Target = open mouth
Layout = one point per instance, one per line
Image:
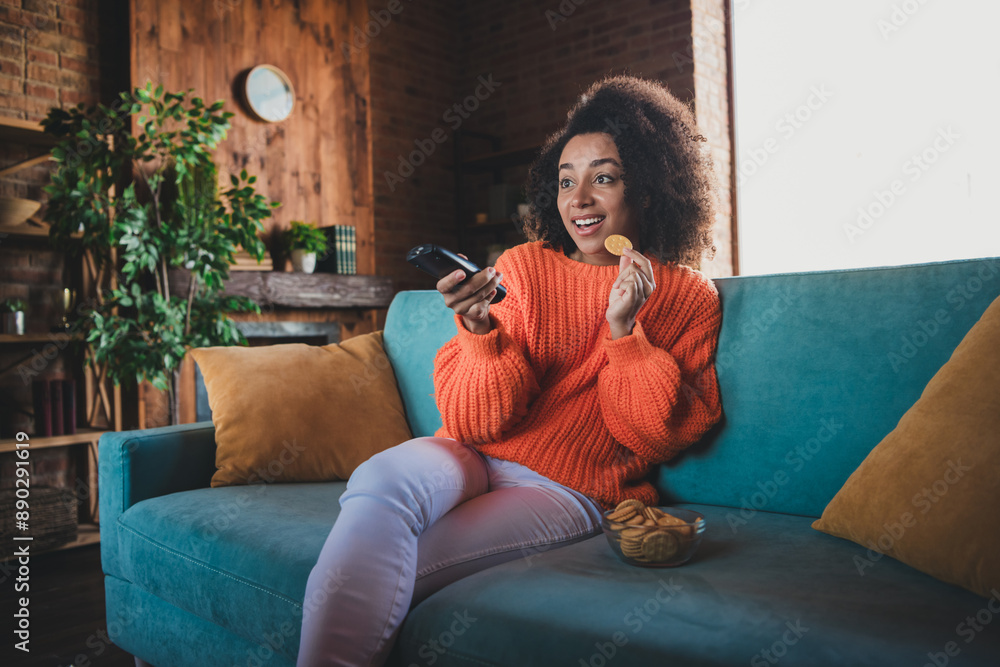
(584, 223)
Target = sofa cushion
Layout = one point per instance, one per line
(815, 369)
(927, 494)
(300, 413)
(164, 635)
(772, 590)
(238, 556)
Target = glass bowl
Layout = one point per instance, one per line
(665, 543)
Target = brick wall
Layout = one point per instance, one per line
(713, 109)
(423, 60)
(49, 56)
(415, 61)
(543, 54)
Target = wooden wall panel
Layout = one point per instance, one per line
(317, 163)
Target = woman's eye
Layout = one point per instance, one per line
(609, 179)
(563, 182)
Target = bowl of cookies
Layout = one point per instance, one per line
(653, 536)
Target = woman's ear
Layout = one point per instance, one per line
(647, 201)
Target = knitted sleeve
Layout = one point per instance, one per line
(484, 384)
(656, 402)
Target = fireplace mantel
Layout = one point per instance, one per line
(300, 290)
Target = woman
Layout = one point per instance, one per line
(557, 401)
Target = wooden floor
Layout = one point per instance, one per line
(66, 610)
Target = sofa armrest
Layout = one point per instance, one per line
(136, 465)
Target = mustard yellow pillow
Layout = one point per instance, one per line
(928, 494)
(300, 413)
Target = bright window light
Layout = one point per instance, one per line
(867, 132)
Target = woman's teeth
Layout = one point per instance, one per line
(587, 222)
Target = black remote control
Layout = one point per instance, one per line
(439, 262)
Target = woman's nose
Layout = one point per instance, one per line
(583, 196)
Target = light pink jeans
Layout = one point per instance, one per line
(415, 518)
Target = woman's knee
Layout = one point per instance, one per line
(420, 466)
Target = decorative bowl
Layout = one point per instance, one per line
(14, 211)
(658, 541)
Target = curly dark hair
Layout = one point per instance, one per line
(655, 134)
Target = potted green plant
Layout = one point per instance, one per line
(135, 184)
(12, 311)
(304, 242)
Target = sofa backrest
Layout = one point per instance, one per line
(417, 324)
(815, 369)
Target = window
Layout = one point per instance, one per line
(867, 132)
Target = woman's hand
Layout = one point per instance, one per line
(630, 290)
(471, 300)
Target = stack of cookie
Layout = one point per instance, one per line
(648, 534)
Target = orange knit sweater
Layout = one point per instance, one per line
(549, 389)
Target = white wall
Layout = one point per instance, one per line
(887, 106)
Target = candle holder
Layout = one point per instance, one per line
(68, 304)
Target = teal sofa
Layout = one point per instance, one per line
(815, 369)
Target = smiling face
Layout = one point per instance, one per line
(592, 197)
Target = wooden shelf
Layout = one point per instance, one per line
(84, 436)
(15, 130)
(36, 338)
(25, 229)
(300, 290)
(486, 162)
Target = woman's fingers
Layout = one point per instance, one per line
(642, 267)
(464, 297)
(632, 272)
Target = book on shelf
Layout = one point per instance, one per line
(341, 251)
(40, 391)
(56, 396)
(69, 406)
(54, 402)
